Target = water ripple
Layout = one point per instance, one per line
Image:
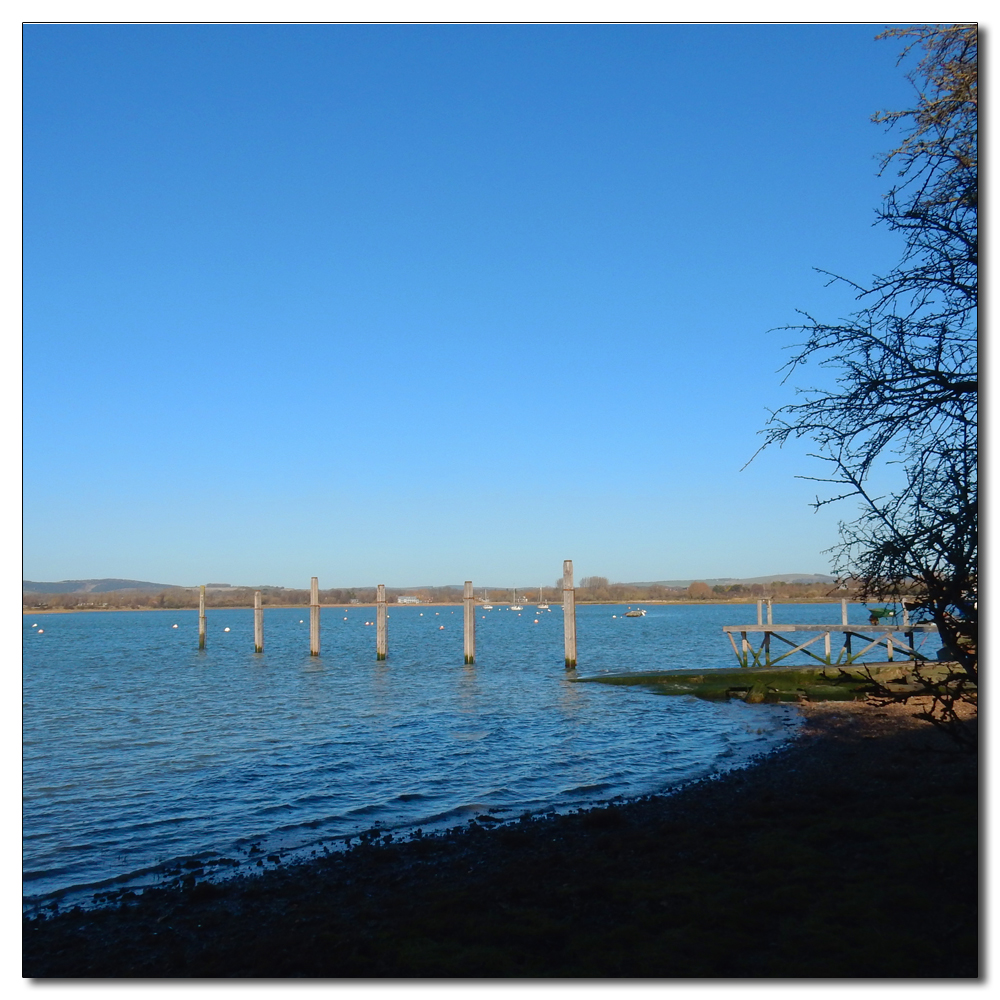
(139, 750)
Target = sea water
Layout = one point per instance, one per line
(144, 756)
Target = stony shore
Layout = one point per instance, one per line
(852, 853)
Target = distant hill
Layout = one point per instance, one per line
(144, 586)
(91, 586)
(728, 581)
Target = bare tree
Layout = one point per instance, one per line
(904, 403)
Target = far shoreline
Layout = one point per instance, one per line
(430, 604)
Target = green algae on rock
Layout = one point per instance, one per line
(775, 684)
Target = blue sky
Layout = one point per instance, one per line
(415, 304)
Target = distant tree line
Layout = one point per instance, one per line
(598, 590)
(592, 590)
(230, 597)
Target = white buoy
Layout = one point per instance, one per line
(41, 630)
(173, 626)
(440, 626)
(225, 630)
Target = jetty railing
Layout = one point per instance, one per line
(886, 635)
(749, 655)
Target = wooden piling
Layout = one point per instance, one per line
(770, 613)
(843, 611)
(202, 624)
(314, 617)
(470, 623)
(760, 612)
(381, 624)
(906, 621)
(258, 624)
(569, 614)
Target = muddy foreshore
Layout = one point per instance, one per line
(851, 853)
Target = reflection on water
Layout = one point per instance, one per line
(139, 749)
(468, 689)
(571, 697)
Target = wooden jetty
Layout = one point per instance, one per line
(874, 636)
(896, 640)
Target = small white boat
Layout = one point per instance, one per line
(542, 606)
(486, 601)
(514, 606)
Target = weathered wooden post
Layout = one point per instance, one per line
(906, 622)
(381, 625)
(314, 617)
(470, 623)
(258, 624)
(760, 612)
(847, 635)
(569, 614)
(202, 625)
(770, 615)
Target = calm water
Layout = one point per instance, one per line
(139, 750)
